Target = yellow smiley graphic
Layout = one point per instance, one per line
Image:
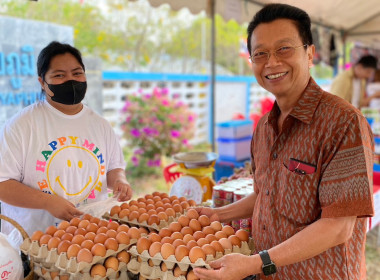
(73, 173)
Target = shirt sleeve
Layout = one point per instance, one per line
(116, 159)
(346, 183)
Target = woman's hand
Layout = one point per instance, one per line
(122, 190)
(61, 208)
(209, 212)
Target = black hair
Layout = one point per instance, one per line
(271, 12)
(50, 51)
(368, 61)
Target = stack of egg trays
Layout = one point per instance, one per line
(51, 261)
(153, 272)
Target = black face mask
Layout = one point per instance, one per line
(69, 93)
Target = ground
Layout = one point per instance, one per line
(150, 184)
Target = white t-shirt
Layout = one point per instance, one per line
(372, 88)
(65, 155)
(356, 92)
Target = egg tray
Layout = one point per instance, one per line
(185, 263)
(152, 227)
(47, 276)
(51, 259)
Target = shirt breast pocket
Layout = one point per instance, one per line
(297, 197)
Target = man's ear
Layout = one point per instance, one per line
(310, 54)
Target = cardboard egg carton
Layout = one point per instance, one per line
(39, 254)
(45, 273)
(152, 227)
(120, 273)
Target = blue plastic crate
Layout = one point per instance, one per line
(225, 168)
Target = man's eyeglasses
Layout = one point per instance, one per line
(280, 53)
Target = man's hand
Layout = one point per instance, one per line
(61, 208)
(122, 190)
(229, 267)
(209, 212)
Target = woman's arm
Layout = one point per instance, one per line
(117, 181)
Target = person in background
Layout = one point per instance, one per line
(351, 84)
(372, 99)
(58, 154)
(312, 161)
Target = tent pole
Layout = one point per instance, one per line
(212, 130)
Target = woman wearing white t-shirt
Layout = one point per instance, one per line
(372, 99)
(58, 154)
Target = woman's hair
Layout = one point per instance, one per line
(271, 12)
(50, 51)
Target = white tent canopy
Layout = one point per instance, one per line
(354, 19)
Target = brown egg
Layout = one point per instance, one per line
(199, 234)
(167, 239)
(234, 240)
(75, 221)
(151, 212)
(102, 230)
(83, 224)
(149, 201)
(134, 233)
(51, 230)
(94, 220)
(142, 211)
(53, 243)
(124, 205)
(141, 199)
(113, 225)
(177, 272)
(63, 246)
(54, 274)
(143, 218)
(242, 234)
(170, 212)
(153, 219)
(78, 239)
(164, 267)
(123, 227)
(154, 237)
(43, 271)
(123, 238)
(175, 227)
(141, 204)
(162, 216)
(210, 238)
(59, 233)
(124, 213)
(102, 223)
(132, 202)
(73, 250)
(98, 270)
(178, 242)
(111, 233)
(166, 200)
(88, 244)
(112, 262)
(191, 276)
(115, 210)
(167, 205)
(155, 248)
(191, 244)
(202, 241)
(195, 225)
(92, 227)
(159, 204)
(173, 197)
(160, 210)
(216, 225)
(165, 232)
(228, 230)
(192, 214)
(151, 207)
(36, 235)
(204, 220)
(208, 230)
(134, 215)
(196, 253)
(188, 237)
(180, 252)
(45, 239)
(217, 246)
(64, 277)
(163, 195)
(183, 220)
(100, 238)
(185, 205)
(123, 256)
(80, 231)
(186, 230)
(99, 250)
(220, 234)
(192, 203)
(71, 229)
(67, 236)
(111, 244)
(225, 243)
(133, 208)
(86, 217)
(63, 225)
(143, 244)
(176, 235)
(90, 236)
(143, 230)
(148, 196)
(209, 250)
(177, 208)
(182, 198)
(167, 250)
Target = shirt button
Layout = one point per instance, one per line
(274, 155)
(267, 192)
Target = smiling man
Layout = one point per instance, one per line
(312, 164)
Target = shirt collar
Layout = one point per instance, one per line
(305, 106)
